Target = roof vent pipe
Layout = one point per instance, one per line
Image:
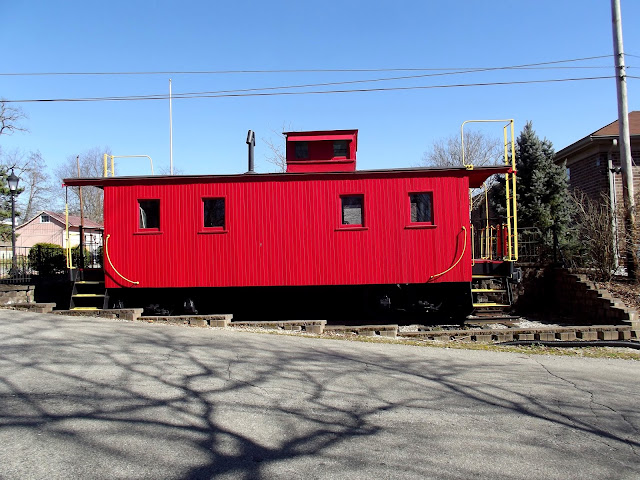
(251, 142)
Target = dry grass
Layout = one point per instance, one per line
(582, 352)
(625, 290)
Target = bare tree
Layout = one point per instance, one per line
(479, 150)
(91, 165)
(276, 154)
(10, 118)
(38, 192)
(596, 234)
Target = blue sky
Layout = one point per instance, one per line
(395, 127)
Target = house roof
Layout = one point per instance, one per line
(74, 220)
(613, 128)
(604, 134)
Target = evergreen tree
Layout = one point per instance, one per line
(542, 190)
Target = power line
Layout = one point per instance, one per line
(315, 70)
(269, 94)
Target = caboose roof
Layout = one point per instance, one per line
(319, 135)
(476, 176)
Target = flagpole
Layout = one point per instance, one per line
(170, 133)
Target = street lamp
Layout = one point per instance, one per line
(13, 180)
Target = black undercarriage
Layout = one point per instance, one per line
(352, 304)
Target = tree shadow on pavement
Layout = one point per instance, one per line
(110, 399)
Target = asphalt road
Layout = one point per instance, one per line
(93, 398)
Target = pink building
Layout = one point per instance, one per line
(49, 227)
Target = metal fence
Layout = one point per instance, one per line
(44, 260)
(530, 246)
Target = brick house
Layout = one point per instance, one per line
(593, 166)
(589, 161)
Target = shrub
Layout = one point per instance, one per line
(596, 235)
(99, 256)
(75, 256)
(47, 258)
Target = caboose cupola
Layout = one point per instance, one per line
(322, 151)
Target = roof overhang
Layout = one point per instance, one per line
(589, 142)
(476, 177)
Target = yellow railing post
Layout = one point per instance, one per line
(68, 249)
(515, 210)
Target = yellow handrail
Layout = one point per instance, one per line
(510, 185)
(66, 226)
(473, 247)
(106, 156)
(510, 191)
(106, 252)
(464, 248)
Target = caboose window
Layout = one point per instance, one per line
(302, 150)
(352, 210)
(340, 148)
(213, 212)
(421, 207)
(149, 213)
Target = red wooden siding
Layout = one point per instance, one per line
(286, 230)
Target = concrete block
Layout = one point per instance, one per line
(198, 322)
(545, 337)
(587, 335)
(389, 333)
(504, 337)
(218, 323)
(608, 335)
(293, 328)
(367, 333)
(624, 335)
(524, 336)
(316, 329)
(482, 338)
(176, 320)
(566, 336)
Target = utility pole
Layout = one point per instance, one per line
(625, 143)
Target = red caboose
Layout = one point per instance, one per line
(320, 238)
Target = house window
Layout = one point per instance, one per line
(149, 214)
(302, 150)
(352, 210)
(45, 219)
(421, 207)
(340, 148)
(213, 212)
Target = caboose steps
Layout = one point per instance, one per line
(88, 292)
(490, 286)
(490, 304)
